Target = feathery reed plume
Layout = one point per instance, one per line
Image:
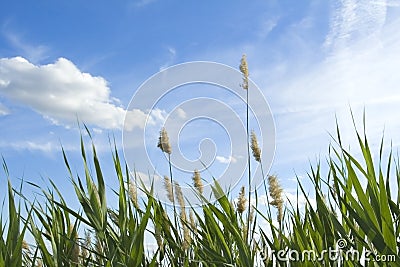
(251, 216)
(163, 142)
(26, 253)
(186, 237)
(245, 71)
(254, 147)
(241, 205)
(192, 221)
(179, 195)
(198, 184)
(86, 244)
(75, 249)
(99, 252)
(25, 245)
(168, 187)
(183, 217)
(133, 193)
(157, 236)
(275, 191)
(245, 231)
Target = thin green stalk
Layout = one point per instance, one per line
(265, 188)
(248, 160)
(245, 72)
(172, 189)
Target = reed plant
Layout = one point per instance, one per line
(356, 202)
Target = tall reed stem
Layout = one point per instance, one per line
(172, 189)
(248, 160)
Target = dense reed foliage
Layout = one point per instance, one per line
(357, 202)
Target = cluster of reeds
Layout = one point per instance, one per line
(356, 201)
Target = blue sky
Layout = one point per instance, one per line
(60, 61)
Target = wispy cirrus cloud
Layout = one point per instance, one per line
(3, 110)
(353, 20)
(142, 3)
(356, 67)
(46, 147)
(34, 53)
(171, 58)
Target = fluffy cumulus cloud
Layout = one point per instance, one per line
(62, 93)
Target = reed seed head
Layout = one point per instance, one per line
(25, 245)
(241, 205)
(133, 193)
(245, 72)
(179, 195)
(255, 148)
(157, 236)
(166, 219)
(244, 231)
(198, 183)
(280, 214)
(86, 244)
(168, 188)
(251, 216)
(98, 246)
(163, 142)
(75, 249)
(192, 221)
(186, 237)
(182, 216)
(275, 190)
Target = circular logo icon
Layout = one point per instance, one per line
(341, 243)
(208, 117)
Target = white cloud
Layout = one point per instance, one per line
(63, 94)
(267, 26)
(40, 146)
(355, 19)
(3, 110)
(293, 200)
(142, 3)
(393, 3)
(34, 53)
(359, 72)
(147, 180)
(171, 58)
(181, 113)
(97, 130)
(289, 198)
(225, 160)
